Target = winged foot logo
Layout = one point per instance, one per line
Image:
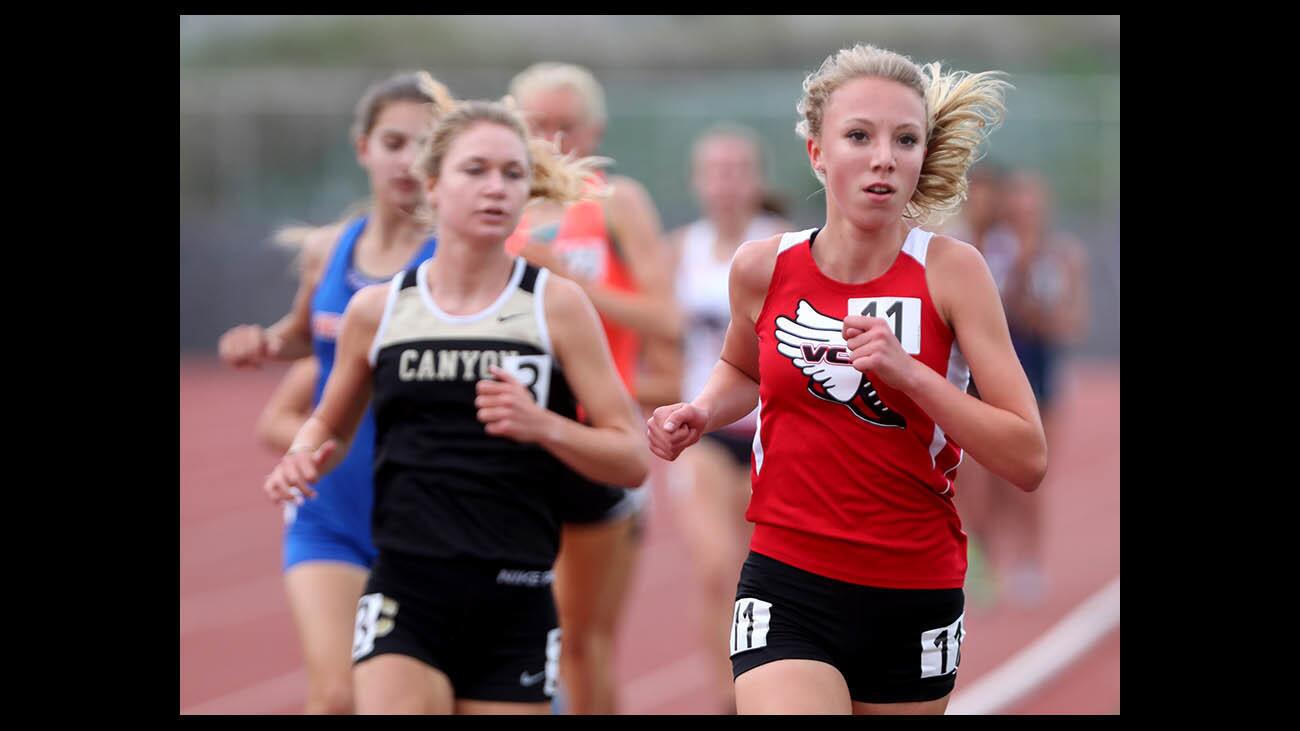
(814, 343)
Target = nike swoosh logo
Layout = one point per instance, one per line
(526, 679)
(503, 318)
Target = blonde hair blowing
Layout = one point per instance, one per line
(546, 76)
(961, 109)
(294, 235)
(556, 177)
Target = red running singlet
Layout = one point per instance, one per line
(852, 480)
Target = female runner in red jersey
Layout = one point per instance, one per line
(857, 341)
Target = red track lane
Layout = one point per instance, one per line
(1090, 685)
(238, 647)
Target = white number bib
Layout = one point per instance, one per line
(903, 314)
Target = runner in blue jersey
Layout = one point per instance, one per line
(327, 545)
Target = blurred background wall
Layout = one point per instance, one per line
(266, 101)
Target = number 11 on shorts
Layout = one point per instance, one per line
(749, 624)
(941, 648)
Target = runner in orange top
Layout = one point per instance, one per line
(582, 239)
(613, 247)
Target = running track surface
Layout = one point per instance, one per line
(239, 651)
